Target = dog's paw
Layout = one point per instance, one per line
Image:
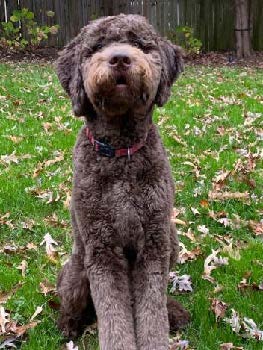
(178, 316)
(70, 328)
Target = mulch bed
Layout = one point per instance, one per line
(50, 54)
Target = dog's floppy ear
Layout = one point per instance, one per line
(69, 74)
(172, 66)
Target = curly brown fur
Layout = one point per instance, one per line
(115, 71)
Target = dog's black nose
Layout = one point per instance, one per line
(120, 60)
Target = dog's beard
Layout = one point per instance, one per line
(116, 95)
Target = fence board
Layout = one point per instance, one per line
(212, 20)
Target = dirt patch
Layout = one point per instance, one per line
(50, 54)
(225, 59)
(45, 54)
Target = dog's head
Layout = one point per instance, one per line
(117, 64)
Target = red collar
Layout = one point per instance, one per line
(104, 149)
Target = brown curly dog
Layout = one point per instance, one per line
(115, 71)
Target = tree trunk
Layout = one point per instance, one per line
(243, 28)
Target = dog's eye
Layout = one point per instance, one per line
(138, 44)
(142, 46)
(97, 47)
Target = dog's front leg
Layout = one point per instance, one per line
(150, 302)
(108, 276)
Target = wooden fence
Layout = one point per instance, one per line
(212, 20)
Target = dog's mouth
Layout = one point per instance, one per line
(121, 82)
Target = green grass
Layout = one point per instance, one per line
(204, 101)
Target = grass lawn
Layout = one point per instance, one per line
(211, 129)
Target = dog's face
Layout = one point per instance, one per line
(117, 64)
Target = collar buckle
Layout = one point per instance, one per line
(104, 149)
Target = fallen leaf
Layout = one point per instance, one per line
(8, 343)
(252, 329)
(49, 243)
(4, 221)
(211, 263)
(203, 229)
(182, 283)
(23, 267)
(15, 139)
(195, 211)
(234, 321)
(243, 284)
(230, 346)
(178, 344)
(31, 246)
(204, 203)
(221, 196)
(257, 227)
(179, 222)
(20, 330)
(186, 255)
(46, 287)
(221, 176)
(4, 296)
(4, 319)
(9, 158)
(39, 309)
(54, 221)
(219, 308)
(71, 346)
(28, 224)
(59, 156)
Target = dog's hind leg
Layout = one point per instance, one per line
(76, 309)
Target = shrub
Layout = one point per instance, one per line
(21, 31)
(184, 36)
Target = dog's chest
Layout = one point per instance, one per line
(121, 204)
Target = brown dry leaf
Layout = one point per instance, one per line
(257, 227)
(243, 284)
(219, 308)
(15, 139)
(221, 176)
(179, 222)
(59, 156)
(67, 201)
(55, 222)
(47, 127)
(46, 287)
(31, 246)
(4, 221)
(221, 196)
(186, 255)
(20, 330)
(204, 203)
(211, 263)
(189, 234)
(234, 253)
(28, 224)
(230, 346)
(218, 289)
(4, 296)
(7, 159)
(23, 267)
